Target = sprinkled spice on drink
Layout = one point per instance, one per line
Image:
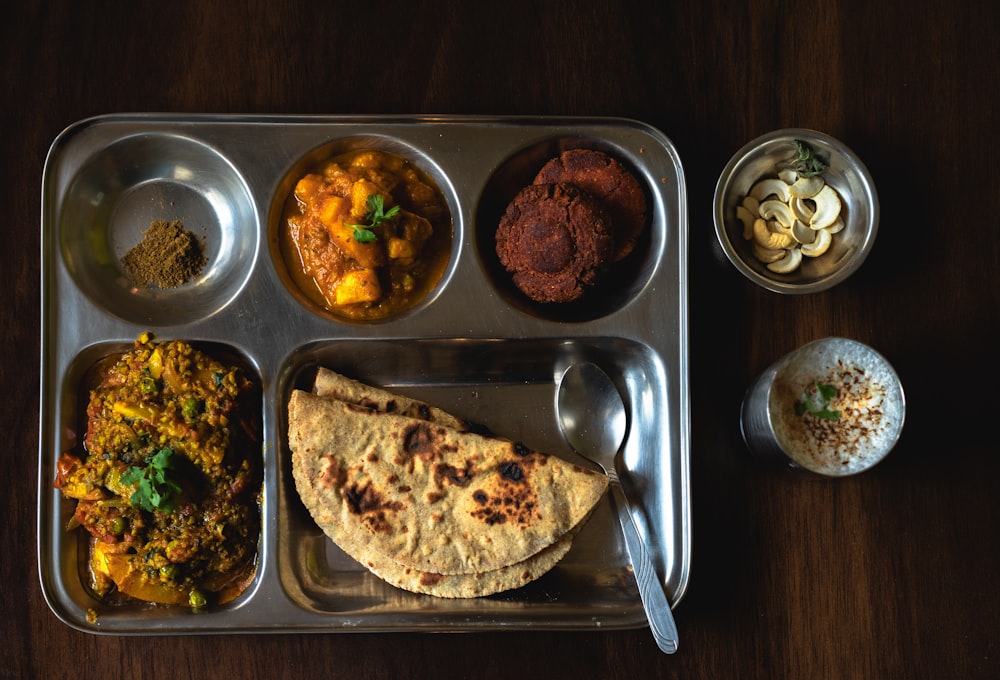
(168, 256)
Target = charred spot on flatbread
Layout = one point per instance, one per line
(477, 428)
(428, 579)
(330, 476)
(371, 506)
(505, 508)
(423, 441)
(443, 472)
(512, 471)
(507, 496)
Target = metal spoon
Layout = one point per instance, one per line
(593, 420)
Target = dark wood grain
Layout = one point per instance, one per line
(888, 575)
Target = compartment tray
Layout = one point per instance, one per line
(474, 347)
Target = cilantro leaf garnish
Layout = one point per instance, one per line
(153, 487)
(807, 162)
(816, 400)
(376, 215)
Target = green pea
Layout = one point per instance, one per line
(197, 599)
(191, 408)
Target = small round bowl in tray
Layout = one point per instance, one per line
(121, 189)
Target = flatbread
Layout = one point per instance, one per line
(332, 384)
(471, 585)
(427, 497)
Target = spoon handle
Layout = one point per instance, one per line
(654, 600)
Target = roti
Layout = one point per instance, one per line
(471, 585)
(391, 488)
(332, 384)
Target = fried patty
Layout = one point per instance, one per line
(608, 180)
(556, 240)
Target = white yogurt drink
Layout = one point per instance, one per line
(834, 407)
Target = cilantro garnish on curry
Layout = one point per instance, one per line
(376, 215)
(154, 489)
(168, 478)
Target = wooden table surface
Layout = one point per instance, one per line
(891, 574)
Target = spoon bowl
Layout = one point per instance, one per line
(593, 420)
(592, 414)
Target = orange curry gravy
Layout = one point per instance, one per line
(387, 270)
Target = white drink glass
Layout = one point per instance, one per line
(833, 407)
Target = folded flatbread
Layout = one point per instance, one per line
(332, 384)
(418, 501)
(475, 584)
(338, 387)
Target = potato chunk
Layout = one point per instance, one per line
(360, 192)
(367, 255)
(400, 248)
(358, 286)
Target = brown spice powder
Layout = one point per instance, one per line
(168, 256)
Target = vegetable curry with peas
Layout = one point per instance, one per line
(366, 235)
(168, 480)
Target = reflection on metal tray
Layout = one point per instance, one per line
(474, 347)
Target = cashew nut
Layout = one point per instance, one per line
(744, 215)
(787, 264)
(766, 238)
(822, 243)
(827, 208)
(806, 187)
(777, 210)
(767, 255)
(802, 208)
(802, 234)
(770, 187)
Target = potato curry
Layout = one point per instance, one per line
(366, 235)
(168, 480)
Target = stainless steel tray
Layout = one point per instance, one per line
(473, 347)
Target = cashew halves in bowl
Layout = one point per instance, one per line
(788, 217)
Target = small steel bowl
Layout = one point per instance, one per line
(121, 189)
(847, 174)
